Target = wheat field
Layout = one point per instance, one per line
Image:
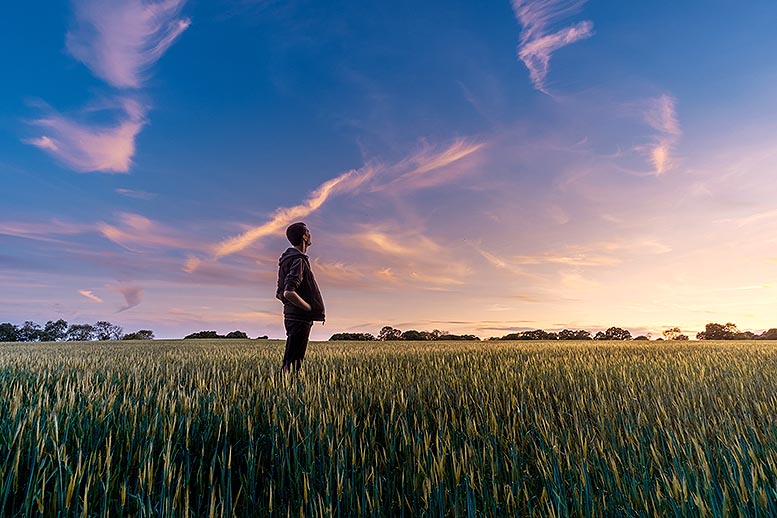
(199, 428)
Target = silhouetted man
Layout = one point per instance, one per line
(297, 289)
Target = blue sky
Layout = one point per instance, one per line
(467, 167)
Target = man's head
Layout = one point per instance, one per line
(297, 234)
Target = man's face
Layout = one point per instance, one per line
(306, 238)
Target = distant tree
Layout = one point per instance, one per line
(104, 330)
(670, 333)
(389, 333)
(362, 337)
(642, 337)
(9, 332)
(457, 337)
(80, 332)
(436, 334)
(571, 334)
(143, 334)
(203, 334)
(30, 332)
(54, 331)
(538, 334)
(237, 334)
(414, 335)
(616, 333)
(674, 333)
(713, 331)
(771, 334)
(600, 336)
(263, 337)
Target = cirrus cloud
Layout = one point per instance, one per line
(85, 147)
(120, 40)
(538, 43)
(412, 172)
(661, 115)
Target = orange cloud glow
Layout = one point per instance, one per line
(661, 115)
(89, 295)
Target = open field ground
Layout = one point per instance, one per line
(201, 428)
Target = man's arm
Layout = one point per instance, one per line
(294, 298)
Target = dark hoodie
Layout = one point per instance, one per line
(294, 274)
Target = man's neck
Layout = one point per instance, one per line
(302, 248)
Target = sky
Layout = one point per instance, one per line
(471, 167)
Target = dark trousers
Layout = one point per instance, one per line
(297, 334)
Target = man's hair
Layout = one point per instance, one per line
(295, 233)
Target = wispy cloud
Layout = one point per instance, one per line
(119, 40)
(339, 273)
(429, 166)
(346, 182)
(661, 115)
(500, 262)
(384, 243)
(43, 231)
(372, 177)
(136, 230)
(569, 260)
(138, 195)
(88, 147)
(89, 295)
(538, 19)
(133, 295)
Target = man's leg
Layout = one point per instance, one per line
(297, 334)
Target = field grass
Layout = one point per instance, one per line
(200, 428)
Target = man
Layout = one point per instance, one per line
(297, 289)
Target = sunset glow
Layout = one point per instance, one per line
(474, 168)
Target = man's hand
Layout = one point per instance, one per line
(298, 301)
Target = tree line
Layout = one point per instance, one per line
(712, 331)
(729, 331)
(390, 333)
(60, 330)
(214, 334)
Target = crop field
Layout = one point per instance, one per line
(201, 428)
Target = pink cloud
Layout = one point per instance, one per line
(134, 230)
(346, 182)
(86, 147)
(413, 172)
(120, 40)
(661, 115)
(89, 295)
(538, 43)
(133, 295)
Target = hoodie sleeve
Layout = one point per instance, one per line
(294, 277)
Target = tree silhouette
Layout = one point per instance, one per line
(389, 333)
(54, 331)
